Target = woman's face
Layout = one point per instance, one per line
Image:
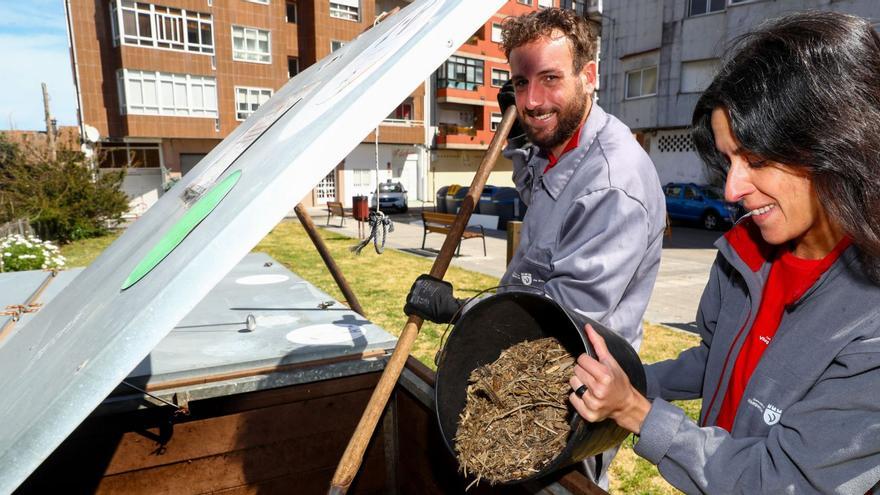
(781, 199)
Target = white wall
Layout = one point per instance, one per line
(675, 158)
(404, 160)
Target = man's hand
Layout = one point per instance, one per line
(431, 299)
(507, 97)
(602, 389)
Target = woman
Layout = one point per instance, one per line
(788, 368)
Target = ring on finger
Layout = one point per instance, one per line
(581, 391)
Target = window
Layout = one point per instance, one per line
(496, 33)
(641, 82)
(326, 189)
(495, 121)
(292, 66)
(251, 45)
(345, 9)
(403, 112)
(124, 155)
(673, 191)
(700, 7)
(155, 26)
(696, 75)
(291, 12)
(165, 93)
(461, 73)
(499, 77)
(524, 2)
(545, 3)
(264, 2)
(248, 100)
(361, 178)
(336, 45)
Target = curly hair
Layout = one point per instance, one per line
(804, 90)
(581, 33)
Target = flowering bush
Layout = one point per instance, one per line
(18, 253)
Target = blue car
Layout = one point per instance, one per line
(703, 204)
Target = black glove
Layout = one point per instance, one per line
(507, 97)
(431, 299)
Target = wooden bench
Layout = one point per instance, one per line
(335, 208)
(441, 223)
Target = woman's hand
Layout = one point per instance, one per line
(608, 392)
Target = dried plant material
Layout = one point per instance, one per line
(514, 422)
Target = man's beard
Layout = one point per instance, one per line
(568, 120)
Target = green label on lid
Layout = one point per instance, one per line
(178, 232)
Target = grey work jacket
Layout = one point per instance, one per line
(592, 236)
(809, 419)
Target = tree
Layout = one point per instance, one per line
(63, 198)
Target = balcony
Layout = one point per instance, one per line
(456, 136)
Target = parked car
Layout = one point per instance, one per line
(392, 196)
(697, 203)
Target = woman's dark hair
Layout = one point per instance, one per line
(804, 90)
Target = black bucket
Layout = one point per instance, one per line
(500, 321)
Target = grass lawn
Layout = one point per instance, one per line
(381, 283)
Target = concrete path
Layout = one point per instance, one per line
(684, 267)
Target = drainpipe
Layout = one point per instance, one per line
(79, 115)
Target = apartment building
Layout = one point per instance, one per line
(161, 82)
(658, 56)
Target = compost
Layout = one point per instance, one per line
(515, 420)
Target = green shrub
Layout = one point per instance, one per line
(19, 253)
(64, 199)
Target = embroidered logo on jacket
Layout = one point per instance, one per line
(526, 278)
(771, 413)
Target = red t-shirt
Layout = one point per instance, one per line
(572, 144)
(790, 277)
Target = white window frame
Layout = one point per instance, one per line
(247, 55)
(173, 24)
(261, 2)
(708, 6)
(641, 78)
(496, 33)
(494, 121)
(524, 2)
(253, 96)
(345, 10)
(545, 3)
(146, 93)
(494, 70)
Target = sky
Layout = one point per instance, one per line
(34, 41)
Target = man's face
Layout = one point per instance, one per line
(551, 100)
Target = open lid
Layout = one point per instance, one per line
(76, 350)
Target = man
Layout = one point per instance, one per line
(592, 236)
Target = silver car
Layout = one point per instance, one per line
(392, 196)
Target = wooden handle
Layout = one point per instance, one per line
(307, 223)
(354, 453)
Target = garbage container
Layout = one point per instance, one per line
(504, 202)
(449, 199)
(500, 321)
(440, 200)
(485, 197)
(360, 208)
